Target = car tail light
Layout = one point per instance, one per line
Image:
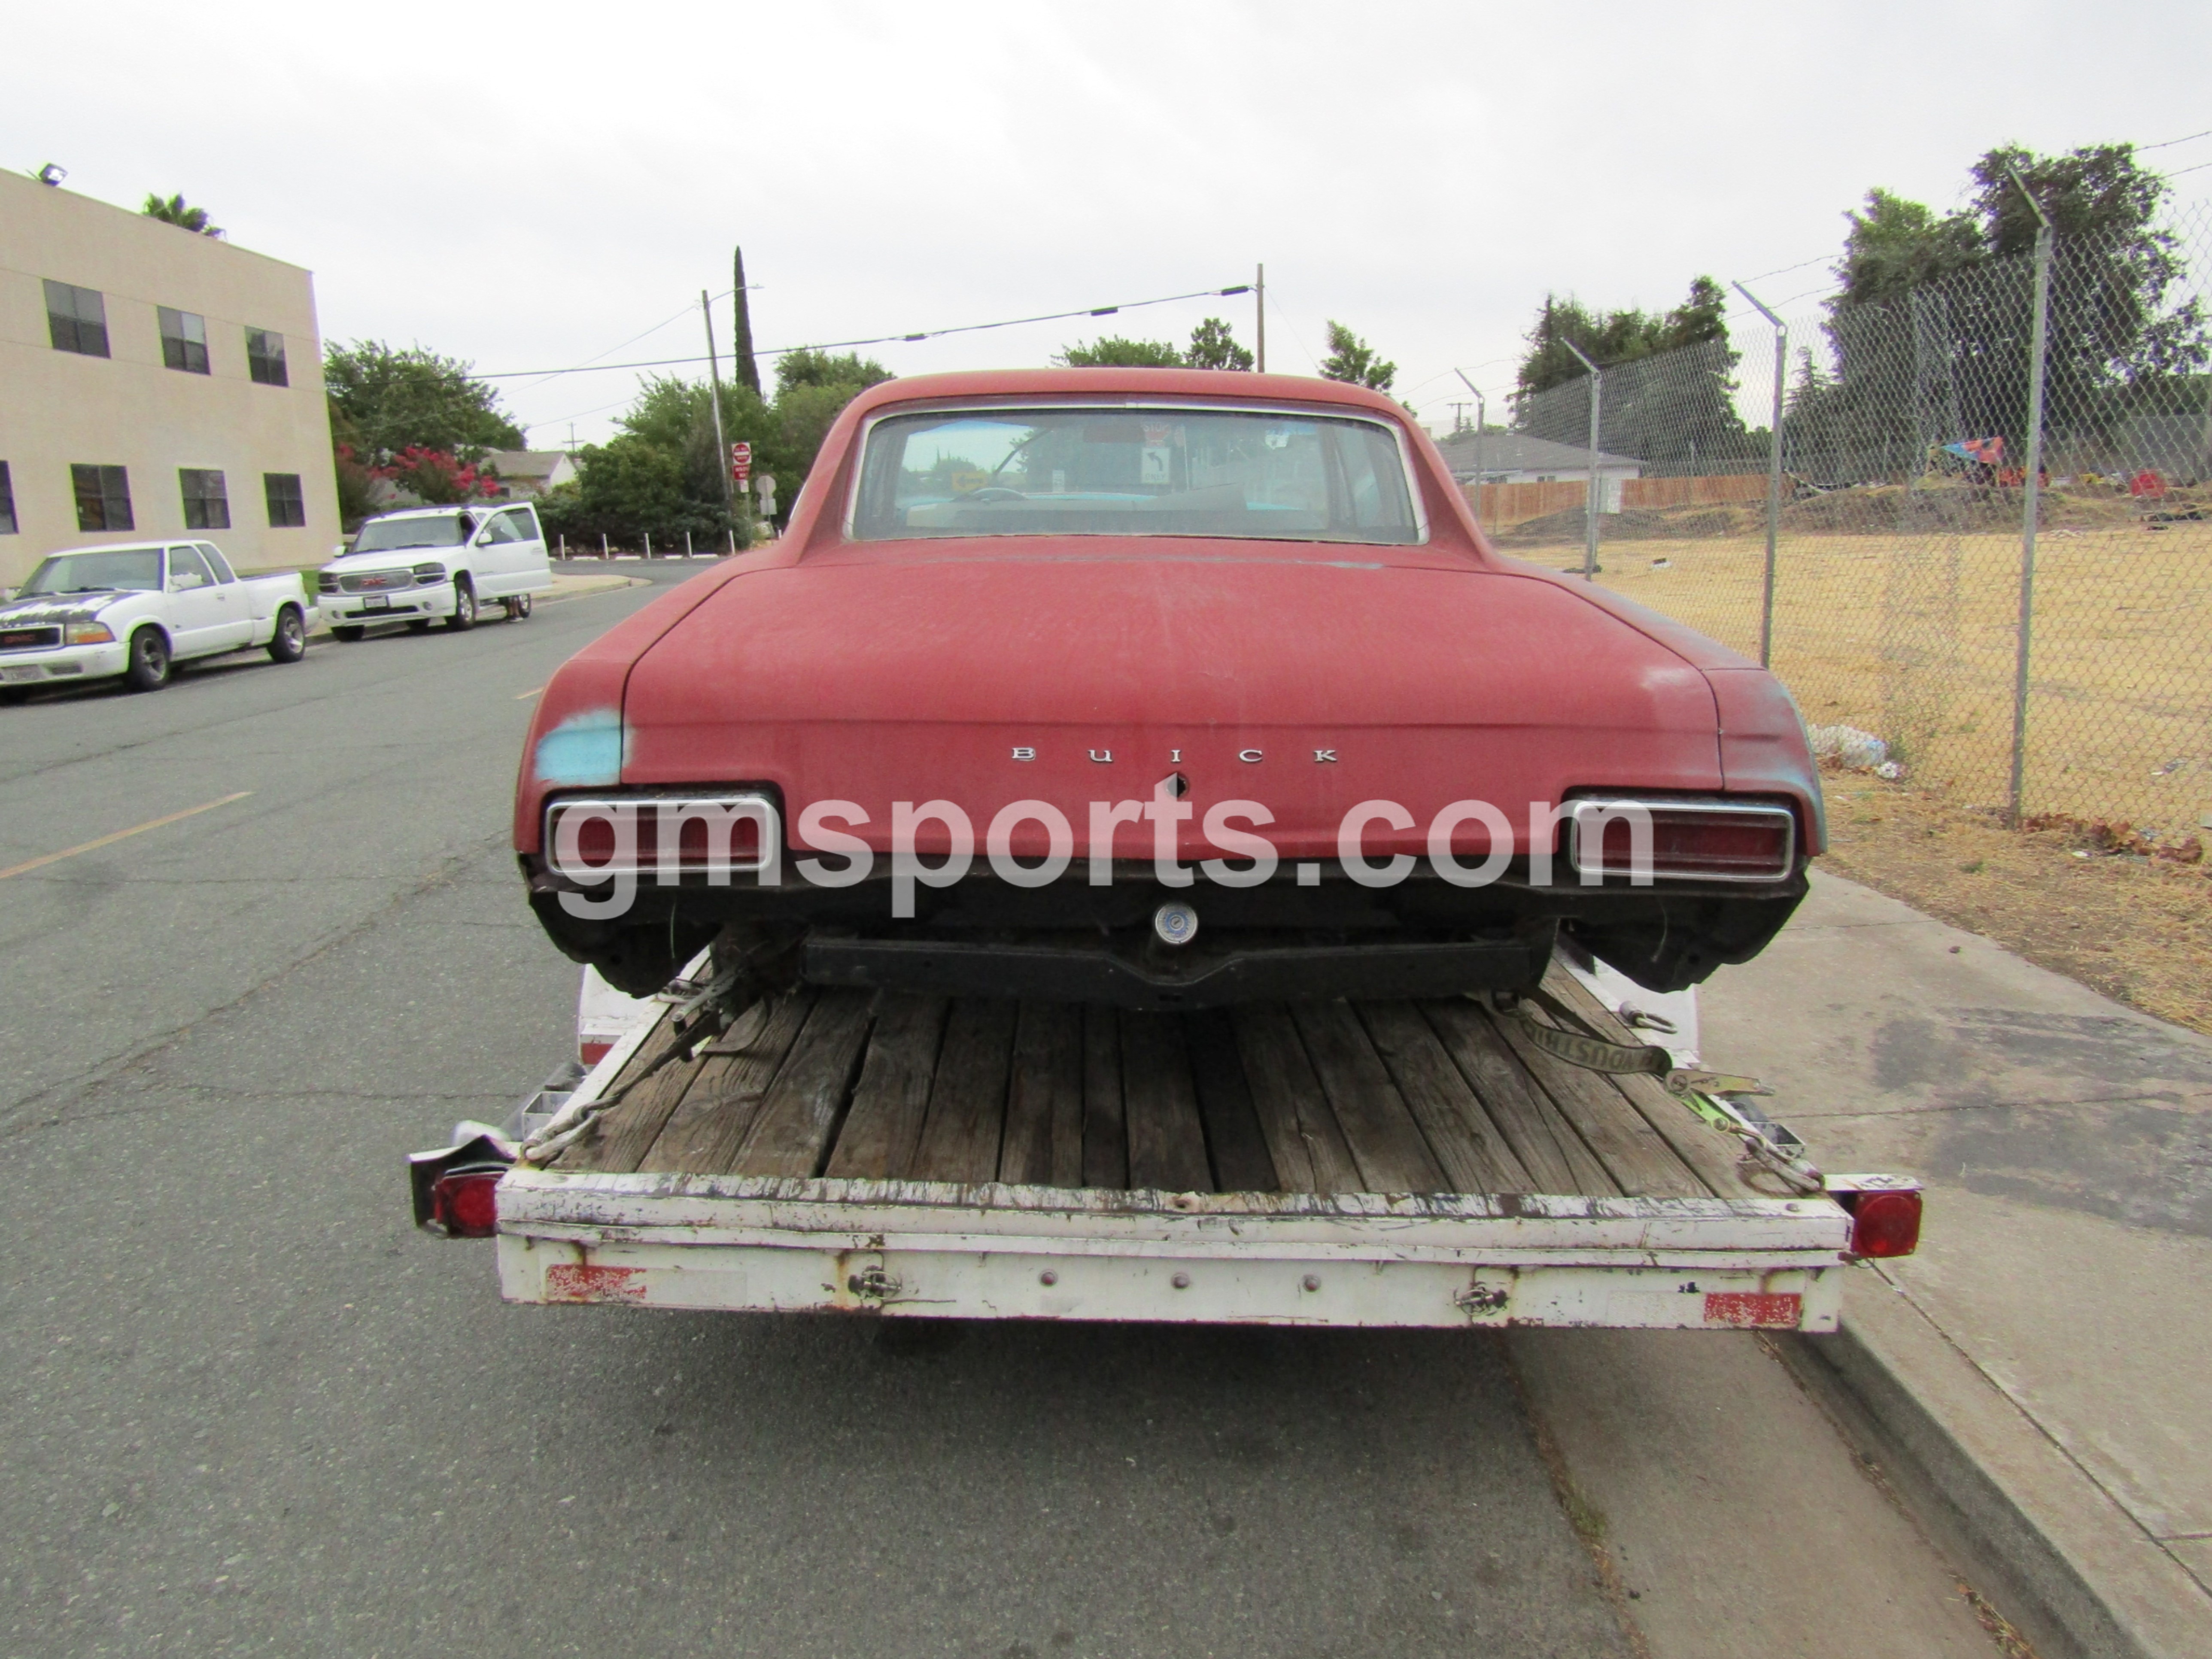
(620, 835)
(1688, 841)
(1883, 1223)
(465, 1202)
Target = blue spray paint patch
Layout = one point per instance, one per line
(585, 750)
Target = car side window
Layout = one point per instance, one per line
(498, 530)
(216, 562)
(521, 525)
(187, 570)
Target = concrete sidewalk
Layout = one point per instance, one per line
(2045, 1362)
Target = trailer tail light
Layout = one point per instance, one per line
(465, 1202)
(589, 839)
(1681, 840)
(1883, 1223)
(592, 1050)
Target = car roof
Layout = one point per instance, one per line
(1226, 386)
(123, 547)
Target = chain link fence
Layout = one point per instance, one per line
(2034, 641)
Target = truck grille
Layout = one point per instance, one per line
(380, 581)
(28, 639)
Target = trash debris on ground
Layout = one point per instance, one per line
(1849, 747)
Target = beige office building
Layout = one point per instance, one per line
(155, 382)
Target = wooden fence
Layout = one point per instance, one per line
(1503, 504)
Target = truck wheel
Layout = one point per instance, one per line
(518, 608)
(150, 661)
(465, 605)
(289, 643)
(350, 635)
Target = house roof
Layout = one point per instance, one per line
(525, 463)
(1519, 451)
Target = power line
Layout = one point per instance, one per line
(878, 339)
(2168, 143)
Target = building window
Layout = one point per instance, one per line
(264, 357)
(207, 504)
(103, 497)
(184, 340)
(287, 508)
(6, 501)
(77, 319)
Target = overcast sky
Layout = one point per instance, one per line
(530, 186)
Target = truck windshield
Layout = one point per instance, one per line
(444, 530)
(1172, 471)
(96, 573)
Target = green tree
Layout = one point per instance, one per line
(1895, 245)
(1212, 346)
(384, 401)
(807, 367)
(172, 210)
(1611, 338)
(1351, 359)
(1113, 351)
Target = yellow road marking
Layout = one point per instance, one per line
(523, 696)
(120, 835)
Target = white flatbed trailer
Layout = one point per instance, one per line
(1384, 1163)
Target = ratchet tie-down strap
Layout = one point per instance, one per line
(1569, 1038)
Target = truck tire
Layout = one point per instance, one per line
(350, 633)
(465, 605)
(518, 608)
(287, 640)
(151, 666)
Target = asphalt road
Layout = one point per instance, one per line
(248, 1407)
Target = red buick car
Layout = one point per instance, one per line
(1158, 687)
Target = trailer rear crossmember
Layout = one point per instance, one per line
(1329, 1163)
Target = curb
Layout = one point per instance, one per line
(2043, 1542)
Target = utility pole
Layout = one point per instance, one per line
(742, 366)
(1590, 497)
(715, 394)
(1260, 314)
(1773, 479)
(1481, 424)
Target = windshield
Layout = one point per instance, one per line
(1119, 471)
(96, 573)
(444, 530)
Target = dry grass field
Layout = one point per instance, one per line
(1911, 637)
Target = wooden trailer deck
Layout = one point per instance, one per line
(1434, 1096)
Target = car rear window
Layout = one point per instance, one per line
(1172, 471)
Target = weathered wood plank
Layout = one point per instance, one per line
(800, 1114)
(1233, 1140)
(1166, 1146)
(1105, 1140)
(625, 1129)
(883, 1125)
(968, 1101)
(1303, 1141)
(1710, 1156)
(1044, 1097)
(1515, 1102)
(1475, 1155)
(1640, 1164)
(1385, 1141)
(702, 1135)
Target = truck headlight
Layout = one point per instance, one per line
(88, 633)
(429, 575)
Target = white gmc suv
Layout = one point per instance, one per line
(430, 562)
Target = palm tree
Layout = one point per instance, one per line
(173, 211)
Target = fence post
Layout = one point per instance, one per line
(2031, 496)
(1592, 500)
(602, 547)
(1773, 481)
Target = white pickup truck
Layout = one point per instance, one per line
(1447, 1162)
(139, 610)
(425, 563)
